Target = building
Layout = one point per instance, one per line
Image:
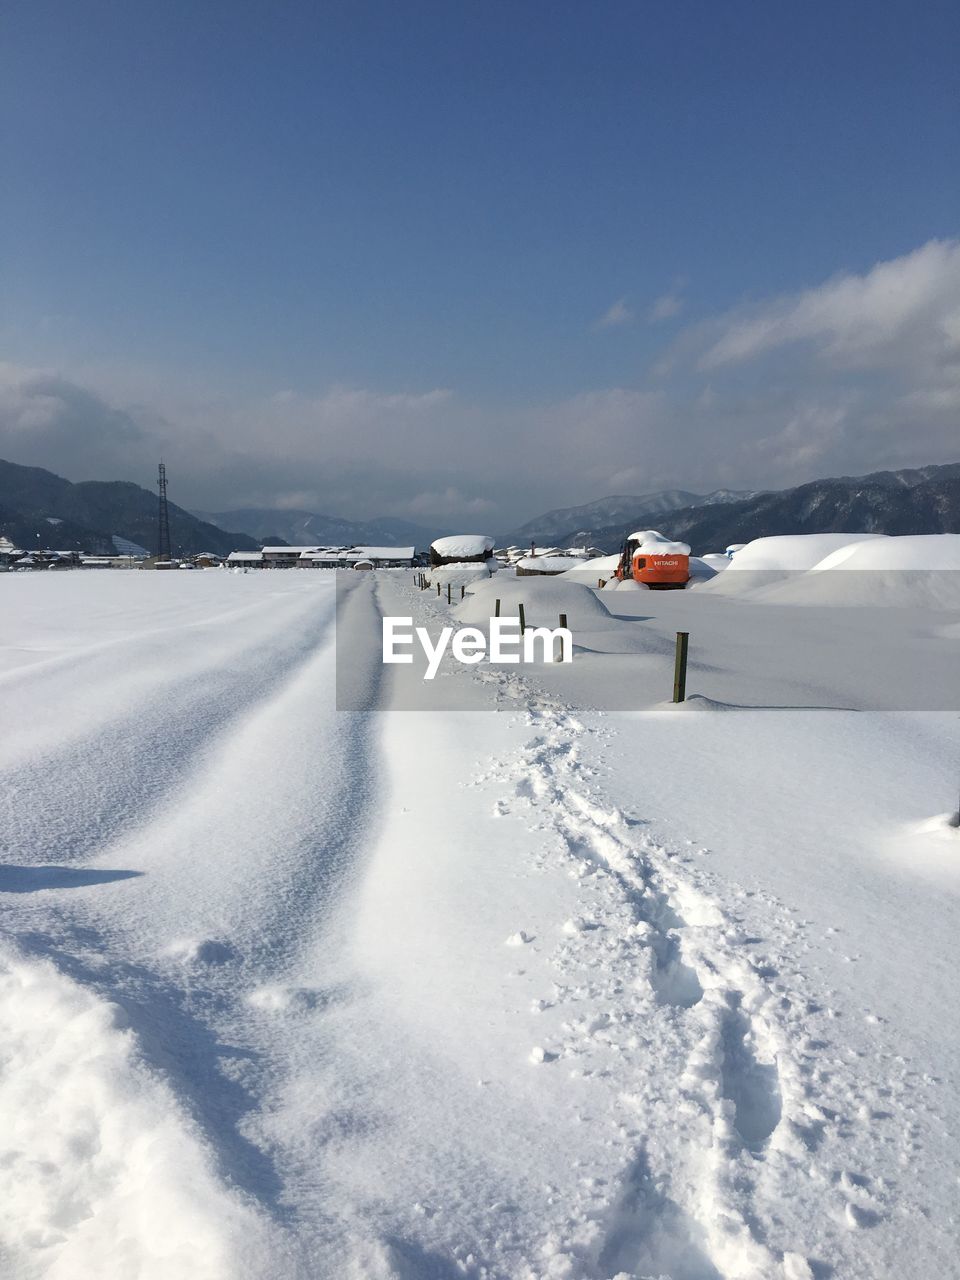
(347, 557)
(284, 557)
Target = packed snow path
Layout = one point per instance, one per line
(297, 993)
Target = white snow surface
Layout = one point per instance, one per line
(464, 544)
(552, 564)
(918, 553)
(653, 543)
(589, 570)
(843, 569)
(790, 552)
(529, 991)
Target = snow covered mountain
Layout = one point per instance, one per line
(618, 509)
(91, 515)
(920, 500)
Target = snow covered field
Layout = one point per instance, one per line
(527, 987)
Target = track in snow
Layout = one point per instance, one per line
(208, 834)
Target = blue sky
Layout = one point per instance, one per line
(208, 204)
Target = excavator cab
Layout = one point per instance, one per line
(624, 568)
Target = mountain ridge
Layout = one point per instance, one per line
(916, 500)
(40, 508)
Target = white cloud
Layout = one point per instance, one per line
(858, 373)
(450, 502)
(904, 312)
(618, 314)
(669, 305)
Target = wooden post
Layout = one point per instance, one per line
(438, 588)
(463, 590)
(523, 623)
(563, 623)
(448, 593)
(496, 609)
(680, 667)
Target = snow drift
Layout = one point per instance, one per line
(873, 569)
(101, 1173)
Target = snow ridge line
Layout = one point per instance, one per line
(739, 1077)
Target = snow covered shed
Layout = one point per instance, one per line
(462, 548)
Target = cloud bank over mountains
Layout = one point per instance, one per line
(857, 373)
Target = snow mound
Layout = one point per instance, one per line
(101, 1174)
(463, 546)
(942, 824)
(549, 564)
(930, 552)
(791, 552)
(848, 569)
(653, 543)
(543, 600)
(468, 574)
(588, 570)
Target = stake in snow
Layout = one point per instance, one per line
(469, 644)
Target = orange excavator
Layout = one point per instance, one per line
(660, 570)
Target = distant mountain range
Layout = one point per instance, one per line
(306, 528)
(917, 500)
(608, 512)
(40, 509)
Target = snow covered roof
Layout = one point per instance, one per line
(463, 545)
(236, 557)
(382, 553)
(599, 565)
(359, 553)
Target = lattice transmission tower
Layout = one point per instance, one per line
(163, 517)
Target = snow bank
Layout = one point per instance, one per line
(848, 569)
(101, 1173)
(788, 553)
(549, 564)
(543, 600)
(920, 552)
